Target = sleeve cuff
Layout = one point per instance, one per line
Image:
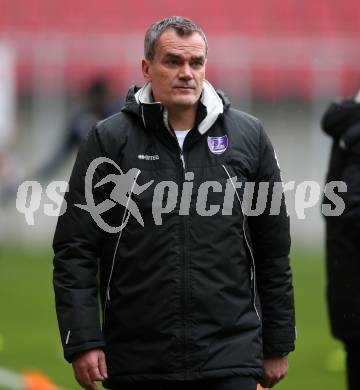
(279, 350)
(279, 342)
(82, 339)
(70, 352)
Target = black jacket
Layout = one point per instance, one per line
(181, 299)
(342, 122)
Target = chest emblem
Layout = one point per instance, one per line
(218, 145)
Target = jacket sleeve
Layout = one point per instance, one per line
(76, 248)
(270, 236)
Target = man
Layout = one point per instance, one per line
(98, 104)
(342, 122)
(193, 296)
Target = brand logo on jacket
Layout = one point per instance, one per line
(218, 145)
(148, 157)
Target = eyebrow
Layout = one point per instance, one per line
(177, 56)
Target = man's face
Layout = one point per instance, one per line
(177, 70)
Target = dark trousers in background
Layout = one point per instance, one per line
(353, 365)
(234, 383)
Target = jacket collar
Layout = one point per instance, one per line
(141, 101)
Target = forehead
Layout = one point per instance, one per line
(185, 45)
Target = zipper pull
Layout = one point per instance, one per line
(67, 337)
(108, 294)
(182, 160)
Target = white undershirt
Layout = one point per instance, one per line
(180, 135)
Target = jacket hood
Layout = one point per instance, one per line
(140, 101)
(340, 117)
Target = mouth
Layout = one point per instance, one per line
(184, 88)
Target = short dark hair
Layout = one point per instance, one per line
(181, 25)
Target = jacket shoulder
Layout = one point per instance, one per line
(242, 116)
(244, 123)
(116, 123)
(250, 143)
(113, 131)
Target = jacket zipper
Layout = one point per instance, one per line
(184, 233)
(185, 261)
(185, 280)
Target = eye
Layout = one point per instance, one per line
(172, 61)
(197, 64)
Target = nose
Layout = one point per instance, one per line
(185, 72)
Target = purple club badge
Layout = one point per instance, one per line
(218, 145)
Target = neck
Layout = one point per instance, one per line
(182, 118)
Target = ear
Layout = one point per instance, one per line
(145, 65)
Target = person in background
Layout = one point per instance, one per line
(98, 104)
(341, 121)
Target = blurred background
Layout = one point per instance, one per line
(66, 64)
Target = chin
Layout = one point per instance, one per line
(185, 101)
